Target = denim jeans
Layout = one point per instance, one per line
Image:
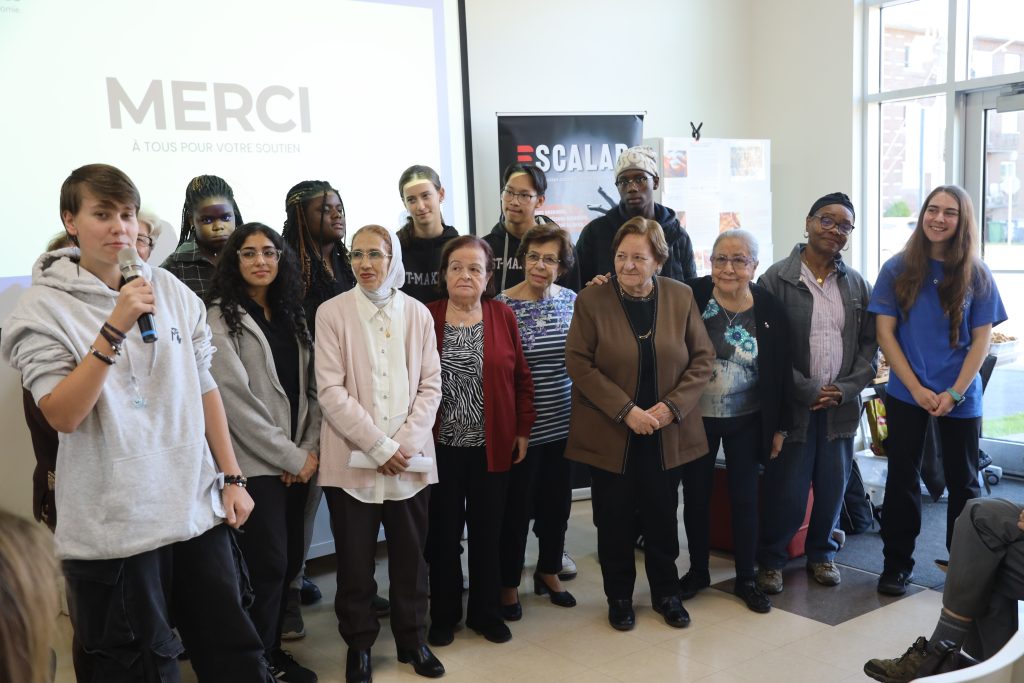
(787, 480)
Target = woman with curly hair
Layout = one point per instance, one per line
(264, 369)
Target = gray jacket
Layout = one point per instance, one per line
(259, 415)
(137, 474)
(859, 346)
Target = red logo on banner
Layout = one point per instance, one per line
(524, 154)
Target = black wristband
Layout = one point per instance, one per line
(114, 331)
(115, 343)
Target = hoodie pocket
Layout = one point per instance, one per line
(157, 489)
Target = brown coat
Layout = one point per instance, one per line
(602, 356)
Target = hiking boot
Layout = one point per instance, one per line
(825, 573)
(903, 668)
(770, 581)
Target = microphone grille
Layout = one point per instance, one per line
(128, 259)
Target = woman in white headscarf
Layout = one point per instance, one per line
(379, 379)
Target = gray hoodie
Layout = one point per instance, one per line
(137, 474)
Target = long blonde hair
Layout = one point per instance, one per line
(28, 600)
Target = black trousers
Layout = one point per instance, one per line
(537, 486)
(355, 526)
(742, 440)
(616, 498)
(901, 510)
(122, 611)
(467, 494)
(273, 545)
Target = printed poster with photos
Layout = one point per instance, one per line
(715, 185)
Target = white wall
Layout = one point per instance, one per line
(678, 60)
(778, 69)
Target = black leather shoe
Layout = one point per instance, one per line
(357, 666)
(756, 600)
(672, 610)
(621, 615)
(692, 583)
(496, 633)
(894, 583)
(562, 599)
(513, 612)
(439, 636)
(423, 661)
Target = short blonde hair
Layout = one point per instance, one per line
(155, 223)
(645, 227)
(28, 600)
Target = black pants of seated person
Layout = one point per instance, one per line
(741, 437)
(272, 542)
(122, 610)
(646, 487)
(466, 494)
(355, 526)
(539, 486)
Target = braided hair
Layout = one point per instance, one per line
(317, 280)
(283, 294)
(199, 188)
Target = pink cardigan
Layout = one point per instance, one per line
(345, 389)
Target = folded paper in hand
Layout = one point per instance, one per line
(417, 463)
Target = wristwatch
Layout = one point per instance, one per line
(958, 398)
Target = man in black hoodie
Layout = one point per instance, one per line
(522, 193)
(636, 177)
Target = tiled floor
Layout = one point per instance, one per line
(813, 634)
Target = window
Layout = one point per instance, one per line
(922, 58)
(937, 76)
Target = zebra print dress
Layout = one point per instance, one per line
(462, 386)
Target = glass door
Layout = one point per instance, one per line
(993, 174)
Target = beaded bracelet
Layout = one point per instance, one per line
(102, 356)
(235, 480)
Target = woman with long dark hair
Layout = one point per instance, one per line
(264, 369)
(936, 304)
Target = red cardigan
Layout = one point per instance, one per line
(508, 386)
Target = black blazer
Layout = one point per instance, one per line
(774, 364)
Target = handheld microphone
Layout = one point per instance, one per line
(131, 267)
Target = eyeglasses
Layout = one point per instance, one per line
(524, 197)
(270, 254)
(474, 269)
(144, 241)
(738, 262)
(374, 255)
(829, 223)
(639, 182)
(549, 260)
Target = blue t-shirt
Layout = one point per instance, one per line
(923, 335)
